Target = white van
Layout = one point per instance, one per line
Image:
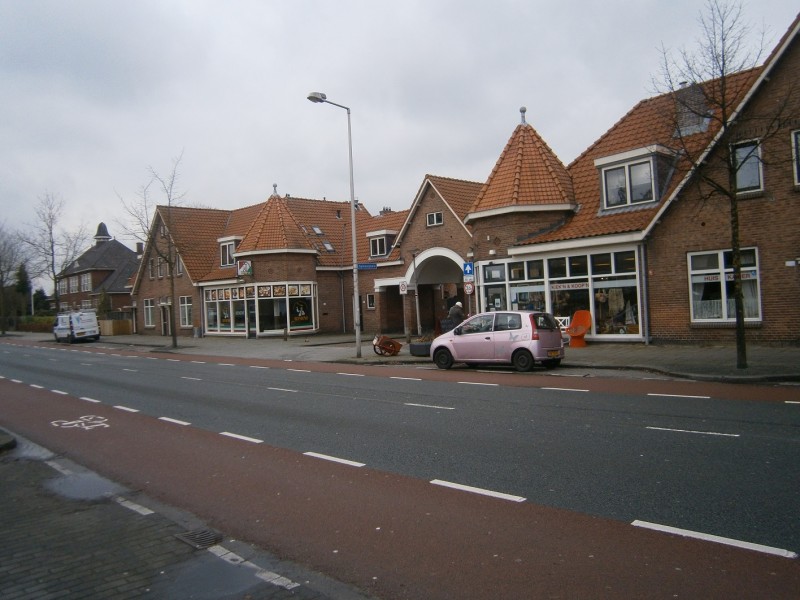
(72, 326)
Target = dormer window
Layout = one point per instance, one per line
(226, 251)
(633, 177)
(380, 241)
(628, 184)
(377, 246)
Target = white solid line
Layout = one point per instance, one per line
(692, 431)
(343, 461)
(475, 490)
(90, 399)
(258, 367)
(299, 370)
(199, 362)
(429, 406)
(58, 467)
(477, 383)
(793, 402)
(126, 409)
(191, 378)
(176, 421)
(274, 389)
(242, 437)
(225, 364)
(58, 392)
(351, 374)
(407, 378)
(715, 538)
(137, 508)
(559, 389)
(681, 396)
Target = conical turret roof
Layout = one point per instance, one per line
(528, 173)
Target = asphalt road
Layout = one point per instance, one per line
(709, 464)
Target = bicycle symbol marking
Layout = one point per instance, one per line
(85, 422)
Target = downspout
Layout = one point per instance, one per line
(645, 315)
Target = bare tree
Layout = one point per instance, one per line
(10, 260)
(151, 224)
(52, 249)
(708, 86)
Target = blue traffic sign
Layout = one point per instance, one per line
(468, 269)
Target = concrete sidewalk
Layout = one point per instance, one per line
(766, 364)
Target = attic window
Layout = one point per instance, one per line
(435, 218)
(317, 230)
(377, 246)
(328, 245)
(226, 251)
(634, 177)
(628, 184)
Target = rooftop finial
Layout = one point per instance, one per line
(274, 189)
(522, 111)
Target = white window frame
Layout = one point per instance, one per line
(149, 312)
(370, 301)
(178, 265)
(86, 304)
(185, 311)
(626, 169)
(796, 155)
(226, 250)
(751, 156)
(73, 284)
(160, 267)
(86, 282)
(377, 246)
(62, 286)
(724, 274)
(435, 219)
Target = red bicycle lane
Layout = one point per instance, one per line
(390, 535)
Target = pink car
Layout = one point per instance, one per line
(519, 337)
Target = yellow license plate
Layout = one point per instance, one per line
(553, 353)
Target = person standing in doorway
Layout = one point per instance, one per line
(456, 313)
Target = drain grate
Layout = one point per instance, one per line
(200, 539)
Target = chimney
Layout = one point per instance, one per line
(139, 249)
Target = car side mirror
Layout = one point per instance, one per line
(457, 330)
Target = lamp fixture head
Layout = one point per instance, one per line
(317, 97)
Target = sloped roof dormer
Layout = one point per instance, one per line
(528, 177)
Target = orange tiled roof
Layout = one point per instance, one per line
(459, 194)
(648, 123)
(527, 173)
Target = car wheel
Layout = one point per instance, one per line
(443, 358)
(71, 339)
(551, 364)
(523, 361)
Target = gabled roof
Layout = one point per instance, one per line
(527, 174)
(106, 255)
(457, 194)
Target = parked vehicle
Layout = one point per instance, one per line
(78, 325)
(519, 337)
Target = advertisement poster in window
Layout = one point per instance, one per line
(300, 313)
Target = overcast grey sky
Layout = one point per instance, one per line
(95, 91)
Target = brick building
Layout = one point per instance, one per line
(628, 231)
(99, 275)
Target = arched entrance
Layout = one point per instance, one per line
(435, 280)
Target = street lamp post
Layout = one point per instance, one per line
(319, 97)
